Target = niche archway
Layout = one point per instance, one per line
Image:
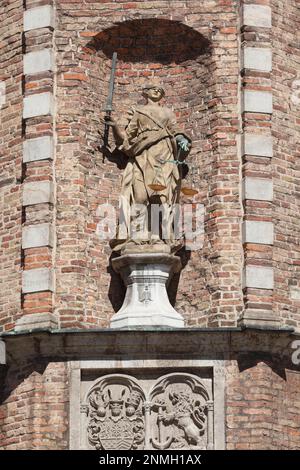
(169, 52)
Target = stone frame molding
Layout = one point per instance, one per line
(206, 373)
(256, 152)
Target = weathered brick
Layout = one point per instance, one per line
(204, 92)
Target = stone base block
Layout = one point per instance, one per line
(2, 353)
(146, 302)
(256, 318)
(36, 321)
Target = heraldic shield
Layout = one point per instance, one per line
(176, 412)
(115, 415)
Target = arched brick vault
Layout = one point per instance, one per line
(175, 55)
(169, 52)
(185, 59)
(151, 40)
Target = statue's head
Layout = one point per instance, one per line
(154, 92)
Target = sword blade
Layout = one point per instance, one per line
(109, 101)
(111, 83)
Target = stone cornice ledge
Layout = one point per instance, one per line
(238, 329)
(219, 344)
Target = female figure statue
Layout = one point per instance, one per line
(155, 146)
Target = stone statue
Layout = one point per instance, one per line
(155, 147)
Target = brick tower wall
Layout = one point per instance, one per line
(231, 74)
(207, 74)
(11, 99)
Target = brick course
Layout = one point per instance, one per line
(204, 85)
(34, 411)
(11, 69)
(262, 403)
(285, 166)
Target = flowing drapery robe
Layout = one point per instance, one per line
(151, 147)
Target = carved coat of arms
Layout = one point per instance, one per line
(115, 421)
(176, 413)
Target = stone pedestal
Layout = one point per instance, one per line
(146, 303)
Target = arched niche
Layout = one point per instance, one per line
(164, 50)
(179, 58)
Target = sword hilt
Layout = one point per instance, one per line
(106, 128)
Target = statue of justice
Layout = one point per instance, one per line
(156, 148)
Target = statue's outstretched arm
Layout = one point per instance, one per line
(118, 134)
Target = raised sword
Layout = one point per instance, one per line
(109, 102)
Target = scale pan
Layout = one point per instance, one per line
(157, 187)
(189, 191)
